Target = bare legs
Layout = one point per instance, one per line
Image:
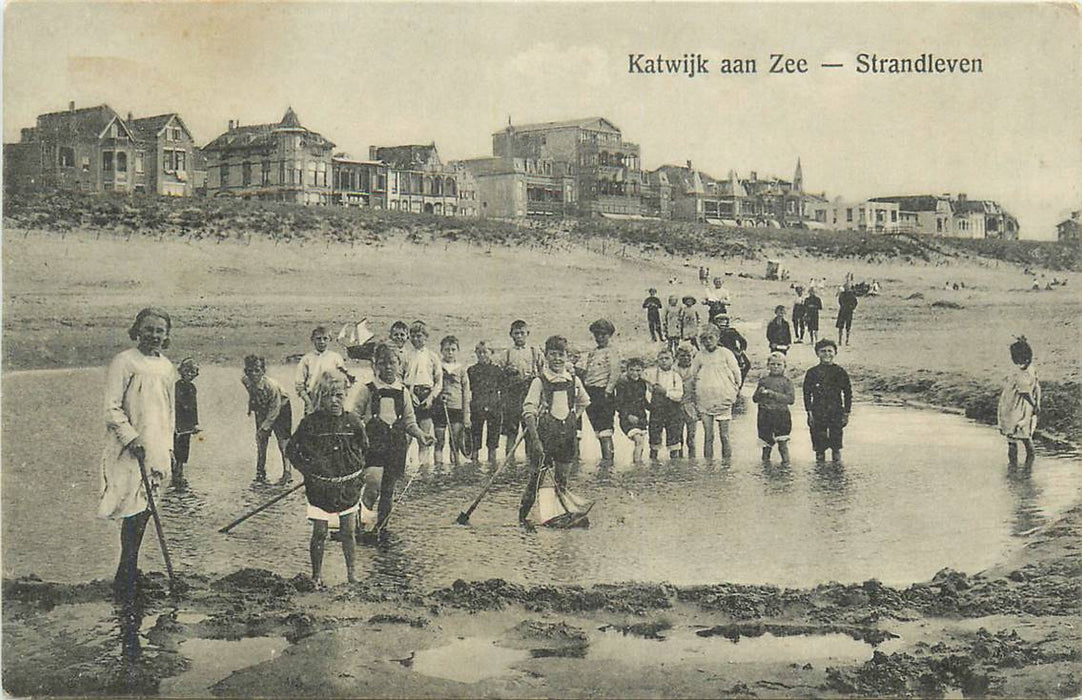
(318, 545)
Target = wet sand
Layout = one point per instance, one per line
(1012, 630)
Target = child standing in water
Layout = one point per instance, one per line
(328, 448)
(631, 396)
(520, 364)
(485, 379)
(140, 422)
(775, 395)
(1020, 402)
(602, 373)
(452, 415)
(666, 415)
(273, 414)
(187, 418)
(423, 377)
(686, 368)
(315, 363)
(717, 385)
(828, 398)
(385, 407)
(554, 401)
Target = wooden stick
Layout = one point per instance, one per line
(260, 509)
(157, 523)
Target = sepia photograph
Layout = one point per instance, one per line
(541, 349)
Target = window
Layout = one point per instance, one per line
(246, 173)
(86, 164)
(180, 160)
(849, 215)
(225, 175)
(107, 161)
(139, 162)
(939, 225)
(893, 215)
(281, 172)
(312, 174)
(265, 179)
(121, 162)
(67, 157)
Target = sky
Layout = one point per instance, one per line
(454, 73)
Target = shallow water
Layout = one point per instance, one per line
(213, 660)
(685, 647)
(917, 491)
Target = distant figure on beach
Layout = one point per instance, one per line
(1020, 402)
(187, 418)
(798, 314)
(140, 421)
(653, 315)
(874, 291)
(847, 303)
(812, 306)
(778, 335)
(828, 399)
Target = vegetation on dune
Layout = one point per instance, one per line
(224, 218)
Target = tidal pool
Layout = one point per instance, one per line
(917, 491)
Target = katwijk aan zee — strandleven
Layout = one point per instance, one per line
(693, 65)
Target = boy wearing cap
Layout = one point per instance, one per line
(602, 373)
(653, 315)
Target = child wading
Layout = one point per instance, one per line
(423, 377)
(666, 414)
(1020, 403)
(775, 395)
(384, 406)
(329, 449)
(778, 335)
(828, 398)
(653, 315)
(485, 379)
(273, 414)
(187, 418)
(140, 423)
(602, 373)
(632, 394)
(687, 369)
(452, 414)
(717, 385)
(314, 364)
(672, 322)
(521, 363)
(553, 403)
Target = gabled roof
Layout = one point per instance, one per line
(87, 123)
(409, 157)
(148, 128)
(290, 120)
(588, 123)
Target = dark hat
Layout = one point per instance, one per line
(602, 325)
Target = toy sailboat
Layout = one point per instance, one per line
(358, 340)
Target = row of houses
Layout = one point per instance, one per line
(581, 167)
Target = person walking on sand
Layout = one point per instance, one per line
(653, 315)
(1019, 403)
(847, 303)
(140, 423)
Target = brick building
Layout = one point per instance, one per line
(418, 181)
(281, 161)
(169, 158)
(512, 187)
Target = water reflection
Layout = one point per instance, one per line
(1026, 493)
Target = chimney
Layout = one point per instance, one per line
(961, 196)
(130, 120)
(230, 124)
(689, 165)
(754, 176)
(71, 106)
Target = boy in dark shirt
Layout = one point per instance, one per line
(774, 395)
(187, 417)
(798, 314)
(778, 334)
(485, 379)
(652, 304)
(812, 306)
(632, 395)
(828, 398)
(847, 303)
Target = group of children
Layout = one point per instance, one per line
(343, 446)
